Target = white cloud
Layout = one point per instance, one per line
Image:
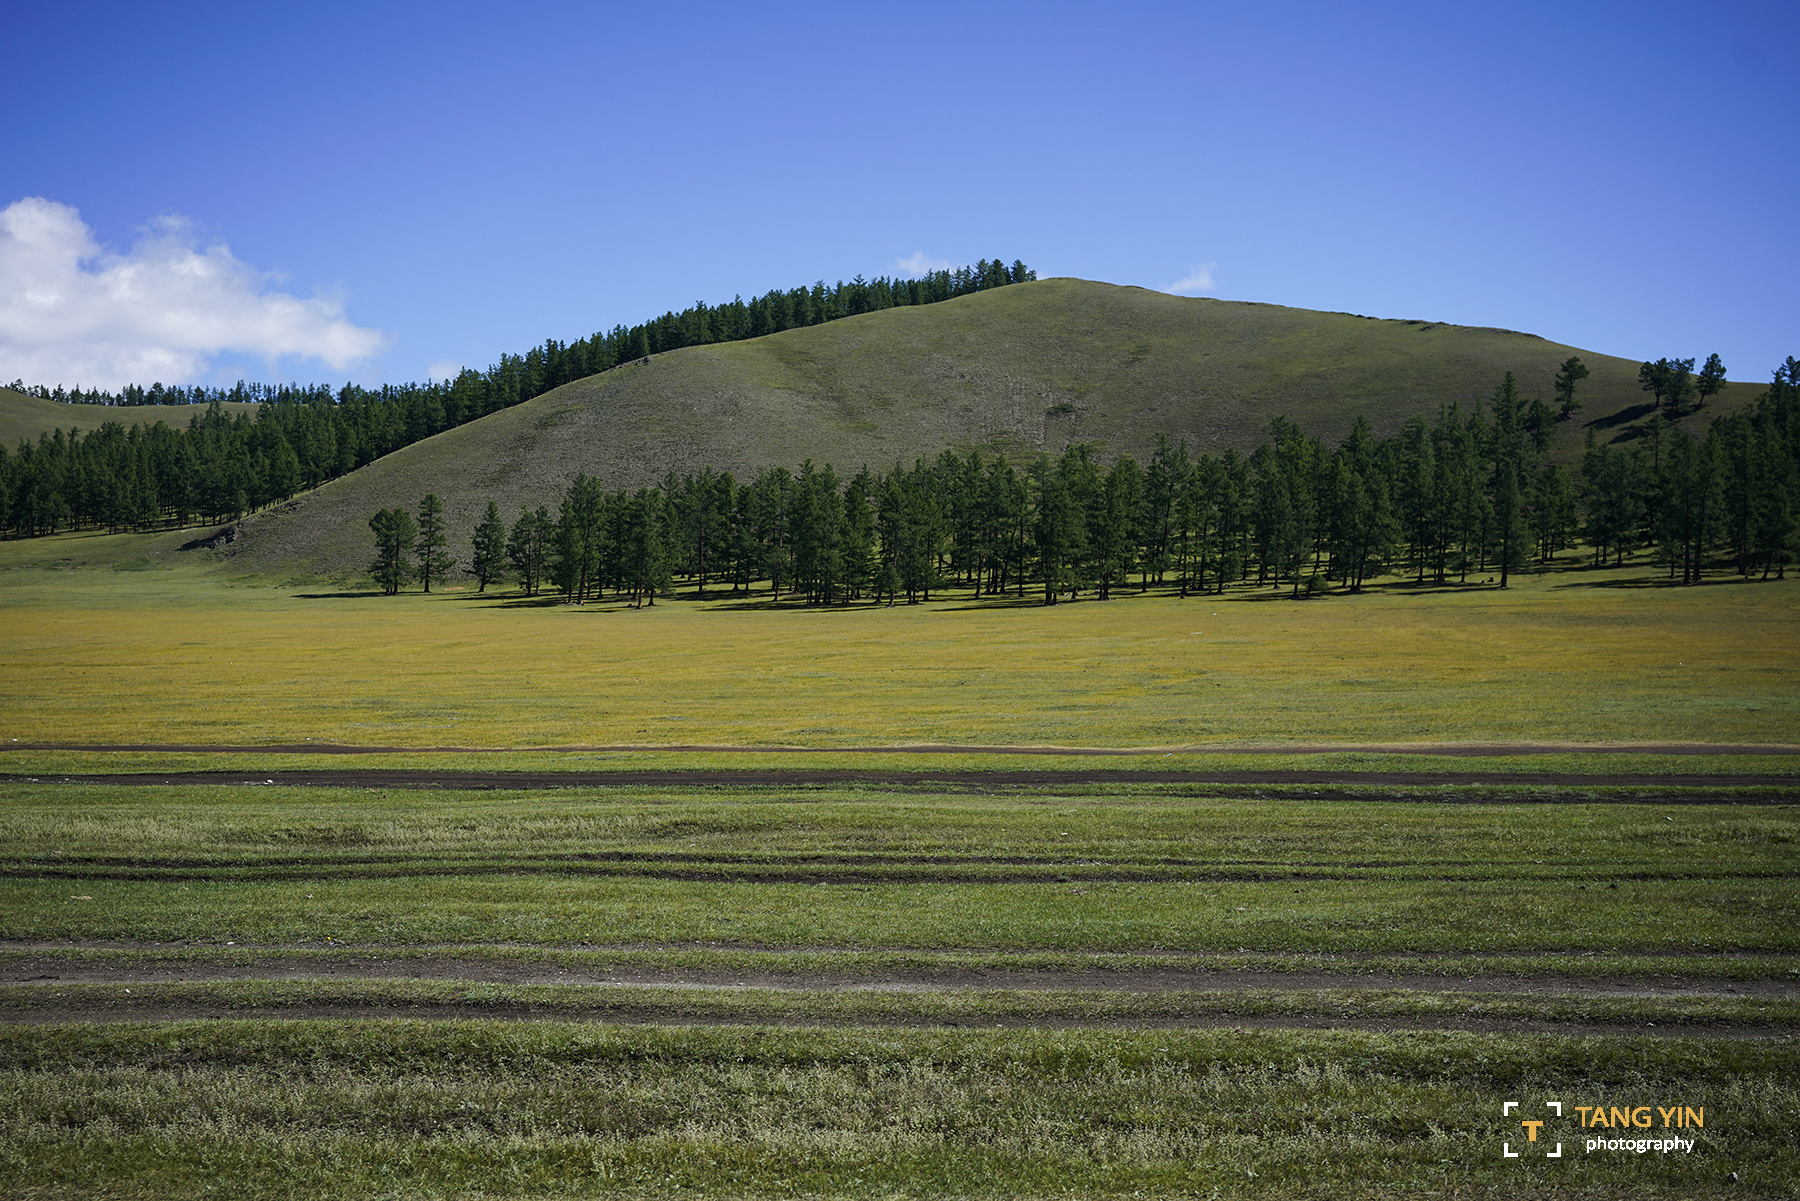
(73, 312)
(443, 369)
(919, 263)
(1198, 279)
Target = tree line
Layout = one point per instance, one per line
(220, 467)
(1466, 493)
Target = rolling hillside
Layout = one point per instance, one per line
(23, 416)
(1020, 370)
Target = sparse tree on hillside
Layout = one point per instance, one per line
(1572, 372)
(393, 548)
(1680, 384)
(1712, 379)
(488, 561)
(1654, 379)
(434, 559)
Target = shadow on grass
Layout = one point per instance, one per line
(1624, 416)
(1432, 588)
(785, 605)
(1571, 565)
(339, 595)
(974, 605)
(1661, 581)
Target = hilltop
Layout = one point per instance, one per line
(1019, 370)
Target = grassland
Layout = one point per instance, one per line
(980, 988)
(1017, 370)
(1093, 992)
(1102, 868)
(482, 1109)
(180, 656)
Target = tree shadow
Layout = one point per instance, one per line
(1623, 417)
(1009, 602)
(495, 600)
(1285, 593)
(517, 600)
(1563, 566)
(767, 605)
(1432, 588)
(1661, 580)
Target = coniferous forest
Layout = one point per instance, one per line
(1466, 495)
(218, 468)
(1469, 494)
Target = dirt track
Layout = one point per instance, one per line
(1322, 785)
(629, 994)
(635, 995)
(1451, 749)
(20, 965)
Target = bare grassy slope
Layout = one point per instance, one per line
(23, 416)
(1022, 369)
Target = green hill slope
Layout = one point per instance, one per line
(23, 416)
(1020, 370)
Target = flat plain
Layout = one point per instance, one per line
(1019, 971)
(143, 647)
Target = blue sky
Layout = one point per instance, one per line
(331, 191)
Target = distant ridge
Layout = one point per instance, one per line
(26, 416)
(1018, 370)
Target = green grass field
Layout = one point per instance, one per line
(1001, 989)
(465, 1109)
(1104, 868)
(1098, 991)
(182, 656)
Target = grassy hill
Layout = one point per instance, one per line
(23, 416)
(1024, 369)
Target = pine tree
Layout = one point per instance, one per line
(393, 549)
(1712, 379)
(487, 563)
(1058, 531)
(859, 535)
(644, 545)
(577, 542)
(1114, 535)
(528, 547)
(1679, 384)
(1572, 372)
(432, 542)
(1510, 529)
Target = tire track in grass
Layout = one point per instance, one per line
(1326, 785)
(1454, 749)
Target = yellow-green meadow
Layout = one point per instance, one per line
(182, 656)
